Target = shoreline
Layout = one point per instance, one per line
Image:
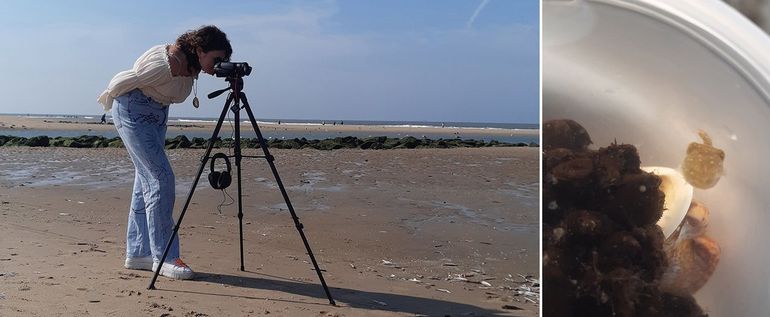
(75, 124)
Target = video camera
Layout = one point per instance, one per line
(231, 69)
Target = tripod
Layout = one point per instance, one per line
(235, 98)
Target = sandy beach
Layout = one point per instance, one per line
(8, 122)
(425, 232)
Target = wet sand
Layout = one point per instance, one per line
(398, 233)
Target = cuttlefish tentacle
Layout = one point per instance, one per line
(706, 138)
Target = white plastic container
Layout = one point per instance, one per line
(653, 72)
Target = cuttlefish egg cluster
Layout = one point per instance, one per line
(693, 256)
(703, 164)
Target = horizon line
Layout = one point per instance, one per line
(327, 120)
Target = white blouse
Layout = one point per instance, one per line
(152, 75)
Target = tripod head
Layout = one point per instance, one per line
(236, 84)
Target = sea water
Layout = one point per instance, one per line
(441, 130)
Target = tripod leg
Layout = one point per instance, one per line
(236, 109)
(190, 194)
(297, 224)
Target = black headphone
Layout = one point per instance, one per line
(220, 180)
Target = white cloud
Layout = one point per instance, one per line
(476, 13)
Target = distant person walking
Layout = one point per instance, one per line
(104, 118)
(139, 99)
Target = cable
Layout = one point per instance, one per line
(222, 204)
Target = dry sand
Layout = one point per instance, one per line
(435, 214)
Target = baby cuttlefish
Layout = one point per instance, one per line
(703, 164)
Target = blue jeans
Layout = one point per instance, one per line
(141, 124)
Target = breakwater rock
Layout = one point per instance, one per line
(182, 142)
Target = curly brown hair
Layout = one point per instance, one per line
(208, 38)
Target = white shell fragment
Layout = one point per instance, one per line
(692, 255)
(678, 197)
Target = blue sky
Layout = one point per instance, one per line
(430, 60)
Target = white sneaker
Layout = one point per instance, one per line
(139, 263)
(176, 270)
